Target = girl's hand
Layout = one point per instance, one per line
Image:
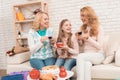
(65, 47)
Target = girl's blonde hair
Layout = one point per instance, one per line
(92, 19)
(37, 20)
(61, 35)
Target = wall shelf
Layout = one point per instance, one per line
(24, 21)
(24, 17)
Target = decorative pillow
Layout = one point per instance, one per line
(110, 52)
(111, 47)
(117, 57)
(108, 59)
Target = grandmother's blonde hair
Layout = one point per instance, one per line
(92, 19)
(37, 20)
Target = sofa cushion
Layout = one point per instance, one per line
(18, 58)
(19, 67)
(108, 59)
(110, 53)
(117, 57)
(110, 48)
(109, 71)
(113, 42)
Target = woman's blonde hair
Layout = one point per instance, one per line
(61, 35)
(37, 20)
(92, 19)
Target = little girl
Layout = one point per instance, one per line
(70, 49)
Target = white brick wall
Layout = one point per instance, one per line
(108, 12)
(6, 28)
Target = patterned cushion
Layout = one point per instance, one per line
(110, 53)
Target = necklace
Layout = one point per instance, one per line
(42, 32)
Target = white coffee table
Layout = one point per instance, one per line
(69, 74)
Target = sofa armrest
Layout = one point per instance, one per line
(117, 57)
(18, 58)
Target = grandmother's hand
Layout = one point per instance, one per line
(42, 39)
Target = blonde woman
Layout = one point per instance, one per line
(39, 44)
(91, 38)
(70, 49)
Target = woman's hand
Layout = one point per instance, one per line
(52, 41)
(43, 39)
(85, 36)
(78, 37)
